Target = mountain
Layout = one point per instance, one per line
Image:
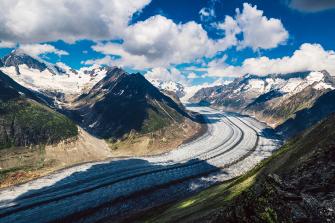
(320, 109)
(25, 122)
(295, 184)
(106, 101)
(17, 58)
(169, 86)
(54, 80)
(272, 98)
(204, 95)
(123, 102)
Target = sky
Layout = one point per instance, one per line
(195, 42)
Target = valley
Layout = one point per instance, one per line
(106, 145)
(54, 117)
(153, 111)
(233, 145)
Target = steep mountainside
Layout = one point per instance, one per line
(272, 98)
(25, 122)
(296, 184)
(307, 117)
(122, 102)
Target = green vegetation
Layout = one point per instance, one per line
(159, 118)
(24, 122)
(214, 198)
(154, 122)
(255, 197)
(22, 160)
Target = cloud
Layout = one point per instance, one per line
(7, 44)
(40, 49)
(311, 57)
(259, 32)
(107, 60)
(192, 75)
(230, 28)
(159, 42)
(164, 74)
(48, 20)
(312, 5)
(207, 14)
(124, 59)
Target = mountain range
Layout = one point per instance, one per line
(169, 87)
(106, 101)
(122, 102)
(295, 184)
(43, 104)
(277, 99)
(52, 116)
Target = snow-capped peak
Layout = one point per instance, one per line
(287, 84)
(40, 75)
(171, 86)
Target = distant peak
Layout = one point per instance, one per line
(19, 52)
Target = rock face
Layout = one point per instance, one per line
(17, 58)
(122, 102)
(24, 121)
(272, 98)
(320, 109)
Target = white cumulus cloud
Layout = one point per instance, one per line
(40, 49)
(7, 44)
(259, 32)
(159, 42)
(166, 74)
(49, 20)
(309, 57)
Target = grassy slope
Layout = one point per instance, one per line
(26, 126)
(161, 117)
(250, 197)
(25, 122)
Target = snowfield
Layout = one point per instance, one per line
(123, 187)
(69, 83)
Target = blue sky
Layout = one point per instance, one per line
(122, 35)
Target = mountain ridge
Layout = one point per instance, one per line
(25, 121)
(114, 100)
(273, 98)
